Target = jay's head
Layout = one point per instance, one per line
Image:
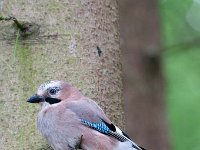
(54, 92)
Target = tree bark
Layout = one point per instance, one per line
(64, 49)
(142, 73)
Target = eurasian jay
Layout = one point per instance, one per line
(70, 120)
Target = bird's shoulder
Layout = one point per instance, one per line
(87, 108)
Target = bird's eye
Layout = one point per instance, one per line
(53, 91)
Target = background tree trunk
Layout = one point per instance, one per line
(142, 74)
(64, 49)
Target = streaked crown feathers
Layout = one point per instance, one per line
(45, 86)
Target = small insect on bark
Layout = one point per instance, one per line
(99, 51)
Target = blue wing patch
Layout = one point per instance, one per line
(99, 126)
(109, 129)
(103, 127)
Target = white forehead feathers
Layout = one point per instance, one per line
(43, 87)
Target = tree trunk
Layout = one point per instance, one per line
(142, 74)
(65, 48)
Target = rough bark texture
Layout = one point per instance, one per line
(65, 49)
(142, 74)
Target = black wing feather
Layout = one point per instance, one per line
(110, 126)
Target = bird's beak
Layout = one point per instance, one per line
(36, 99)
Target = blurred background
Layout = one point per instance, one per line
(161, 75)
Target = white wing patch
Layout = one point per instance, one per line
(118, 130)
(130, 142)
(124, 146)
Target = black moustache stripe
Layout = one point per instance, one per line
(52, 100)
